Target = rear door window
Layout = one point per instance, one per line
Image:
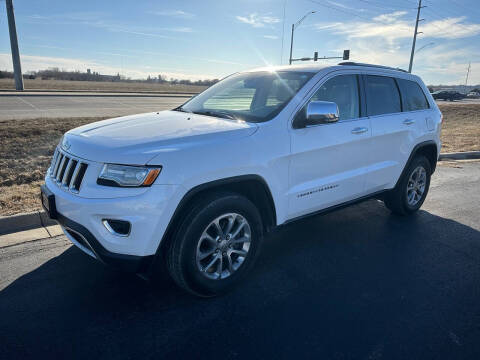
(382, 95)
(413, 97)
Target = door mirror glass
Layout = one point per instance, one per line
(321, 112)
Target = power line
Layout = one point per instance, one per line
(346, 11)
(469, 9)
(382, 5)
(439, 16)
(446, 30)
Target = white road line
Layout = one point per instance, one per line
(28, 103)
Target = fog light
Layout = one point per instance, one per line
(117, 227)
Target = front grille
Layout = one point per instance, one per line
(67, 171)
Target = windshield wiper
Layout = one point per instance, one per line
(219, 114)
(181, 109)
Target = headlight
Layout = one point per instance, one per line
(129, 176)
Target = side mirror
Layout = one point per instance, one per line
(321, 112)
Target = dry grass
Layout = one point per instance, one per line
(461, 127)
(26, 148)
(39, 84)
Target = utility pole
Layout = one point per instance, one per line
(17, 68)
(415, 35)
(466, 78)
(283, 30)
(291, 45)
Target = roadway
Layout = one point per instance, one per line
(359, 283)
(51, 106)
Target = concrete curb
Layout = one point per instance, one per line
(25, 221)
(467, 155)
(38, 219)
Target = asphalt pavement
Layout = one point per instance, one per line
(82, 104)
(358, 283)
(51, 106)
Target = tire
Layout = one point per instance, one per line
(400, 200)
(193, 240)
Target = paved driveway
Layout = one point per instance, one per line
(358, 283)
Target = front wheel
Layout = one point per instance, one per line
(411, 190)
(216, 244)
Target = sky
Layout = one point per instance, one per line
(213, 38)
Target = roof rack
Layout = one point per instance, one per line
(352, 63)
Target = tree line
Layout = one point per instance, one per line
(57, 74)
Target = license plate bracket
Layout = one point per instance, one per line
(48, 202)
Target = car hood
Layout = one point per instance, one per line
(139, 138)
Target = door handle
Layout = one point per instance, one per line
(408, 121)
(359, 130)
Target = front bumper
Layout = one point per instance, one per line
(84, 239)
(149, 214)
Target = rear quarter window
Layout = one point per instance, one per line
(413, 97)
(382, 95)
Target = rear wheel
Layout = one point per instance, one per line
(411, 191)
(216, 244)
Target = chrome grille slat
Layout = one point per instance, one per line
(67, 171)
(57, 163)
(59, 172)
(54, 161)
(74, 176)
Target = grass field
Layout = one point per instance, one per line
(26, 147)
(461, 127)
(39, 84)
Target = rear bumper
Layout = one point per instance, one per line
(84, 239)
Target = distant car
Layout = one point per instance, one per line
(448, 95)
(473, 95)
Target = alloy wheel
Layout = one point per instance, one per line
(416, 185)
(223, 246)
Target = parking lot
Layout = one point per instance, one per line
(358, 283)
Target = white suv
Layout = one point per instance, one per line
(197, 187)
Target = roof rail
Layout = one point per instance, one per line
(352, 63)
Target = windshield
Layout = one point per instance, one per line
(253, 97)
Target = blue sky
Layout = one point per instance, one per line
(208, 38)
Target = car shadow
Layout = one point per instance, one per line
(356, 283)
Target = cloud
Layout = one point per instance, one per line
(97, 20)
(344, 6)
(179, 29)
(391, 28)
(258, 21)
(391, 17)
(450, 28)
(271, 37)
(443, 63)
(174, 13)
